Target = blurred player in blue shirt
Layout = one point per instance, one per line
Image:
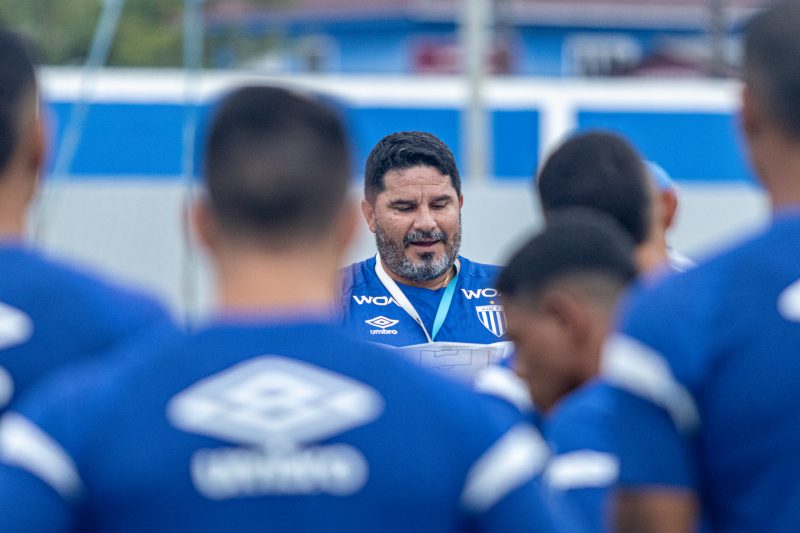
(559, 291)
(602, 170)
(417, 289)
(50, 314)
(270, 417)
(705, 365)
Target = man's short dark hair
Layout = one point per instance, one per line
(575, 243)
(601, 170)
(17, 81)
(771, 64)
(406, 149)
(277, 164)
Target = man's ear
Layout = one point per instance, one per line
(669, 206)
(204, 225)
(460, 201)
(39, 152)
(368, 210)
(751, 113)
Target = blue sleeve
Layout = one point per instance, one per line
(504, 457)
(526, 509)
(652, 450)
(126, 313)
(39, 479)
(29, 505)
(655, 363)
(585, 465)
(45, 443)
(503, 490)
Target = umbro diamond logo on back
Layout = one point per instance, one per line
(277, 410)
(274, 401)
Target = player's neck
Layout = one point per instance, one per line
(651, 255)
(12, 219)
(10, 229)
(14, 200)
(778, 166)
(434, 284)
(255, 280)
(785, 194)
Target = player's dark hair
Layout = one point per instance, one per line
(771, 66)
(17, 80)
(576, 242)
(406, 149)
(277, 164)
(601, 170)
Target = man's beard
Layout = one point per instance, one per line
(426, 266)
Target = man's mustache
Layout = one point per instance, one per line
(416, 236)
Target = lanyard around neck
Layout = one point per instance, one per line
(403, 301)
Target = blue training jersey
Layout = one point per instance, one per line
(579, 430)
(372, 313)
(584, 467)
(51, 315)
(705, 368)
(265, 423)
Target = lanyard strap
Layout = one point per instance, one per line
(403, 301)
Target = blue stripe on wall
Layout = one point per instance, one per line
(516, 143)
(128, 140)
(121, 139)
(690, 146)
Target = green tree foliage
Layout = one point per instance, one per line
(61, 29)
(150, 32)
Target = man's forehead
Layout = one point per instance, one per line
(417, 181)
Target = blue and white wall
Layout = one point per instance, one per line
(120, 205)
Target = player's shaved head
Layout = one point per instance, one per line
(579, 245)
(17, 87)
(600, 170)
(772, 46)
(277, 165)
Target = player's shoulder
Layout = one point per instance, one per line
(79, 288)
(409, 389)
(586, 414)
(475, 269)
(591, 399)
(702, 292)
(98, 384)
(490, 448)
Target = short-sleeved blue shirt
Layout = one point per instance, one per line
(266, 423)
(52, 314)
(705, 368)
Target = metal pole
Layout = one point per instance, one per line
(193, 52)
(718, 31)
(475, 123)
(98, 56)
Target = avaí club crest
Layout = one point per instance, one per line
(492, 318)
